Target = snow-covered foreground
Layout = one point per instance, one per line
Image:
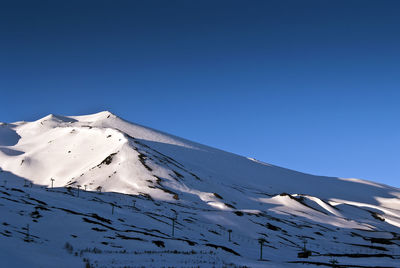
(124, 195)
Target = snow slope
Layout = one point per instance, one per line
(118, 188)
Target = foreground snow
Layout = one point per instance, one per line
(140, 182)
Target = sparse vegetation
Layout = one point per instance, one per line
(68, 247)
(334, 262)
(107, 160)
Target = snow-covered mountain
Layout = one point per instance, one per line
(99, 191)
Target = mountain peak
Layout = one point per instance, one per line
(98, 160)
(95, 117)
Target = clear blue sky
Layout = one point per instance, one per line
(308, 85)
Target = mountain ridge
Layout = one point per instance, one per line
(104, 155)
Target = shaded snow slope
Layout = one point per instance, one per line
(207, 190)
